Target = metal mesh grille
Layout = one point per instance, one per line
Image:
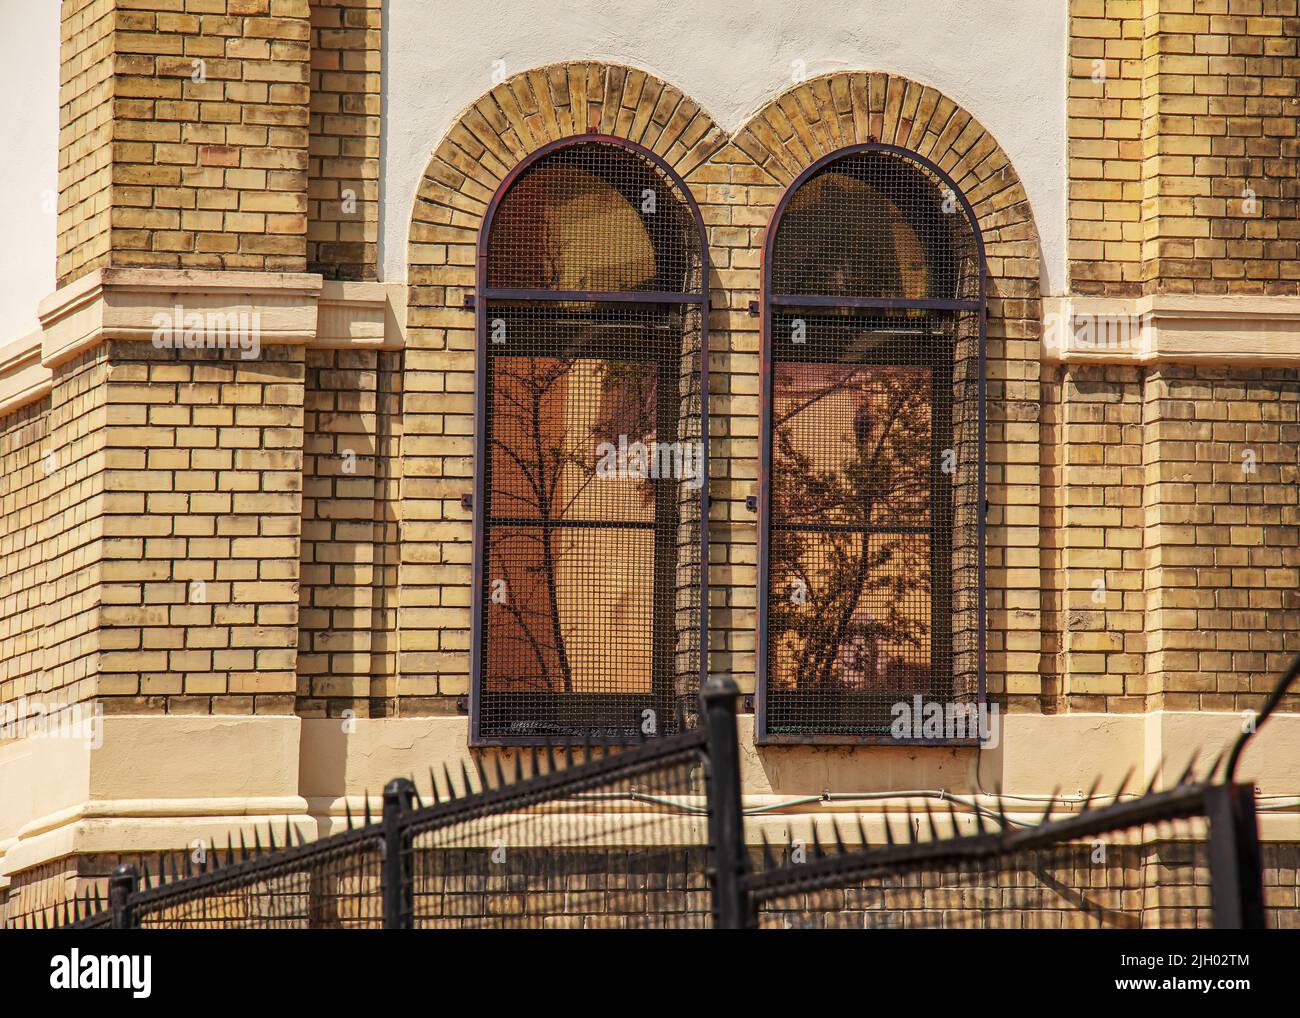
(333, 885)
(625, 850)
(873, 457)
(595, 460)
(594, 216)
(875, 225)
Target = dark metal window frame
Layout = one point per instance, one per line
(486, 294)
(768, 303)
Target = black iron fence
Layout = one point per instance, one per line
(1183, 858)
(654, 836)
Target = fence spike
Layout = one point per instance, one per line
(768, 861)
(451, 785)
(1119, 792)
(433, 788)
(188, 864)
(243, 848)
(839, 838)
(1214, 769)
(1051, 806)
(367, 807)
(929, 817)
(817, 841)
(568, 753)
(270, 837)
(1191, 766)
(483, 782)
(257, 841)
(533, 760)
(502, 780)
(1092, 791)
(979, 818)
(61, 917)
(550, 755)
(862, 831)
(889, 828)
(1155, 777)
(288, 831)
(464, 773)
(230, 848)
(911, 828)
(1003, 822)
(415, 792)
(952, 819)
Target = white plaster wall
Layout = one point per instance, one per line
(1004, 61)
(29, 143)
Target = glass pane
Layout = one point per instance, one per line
(570, 610)
(851, 444)
(594, 217)
(875, 225)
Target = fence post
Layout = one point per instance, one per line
(1236, 870)
(398, 890)
(122, 885)
(726, 821)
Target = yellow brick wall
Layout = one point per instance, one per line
(1183, 128)
(1222, 528)
(202, 521)
(185, 140)
(22, 516)
(52, 457)
(1093, 553)
(352, 426)
(343, 168)
(85, 136)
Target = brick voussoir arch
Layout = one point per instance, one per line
(821, 115)
(736, 180)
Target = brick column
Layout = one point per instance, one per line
(184, 135)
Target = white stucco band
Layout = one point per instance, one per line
(1003, 61)
(165, 782)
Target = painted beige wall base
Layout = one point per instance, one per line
(1160, 328)
(294, 309)
(148, 783)
(163, 782)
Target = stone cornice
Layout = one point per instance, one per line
(292, 309)
(1168, 328)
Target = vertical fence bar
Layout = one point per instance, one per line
(122, 886)
(398, 888)
(1236, 871)
(726, 822)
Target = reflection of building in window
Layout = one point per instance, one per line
(871, 447)
(589, 599)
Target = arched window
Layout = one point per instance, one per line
(589, 550)
(871, 487)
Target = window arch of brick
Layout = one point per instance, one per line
(871, 493)
(590, 557)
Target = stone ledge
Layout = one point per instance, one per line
(293, 309)
(23, 378)
(1172, 329)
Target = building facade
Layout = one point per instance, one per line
(264, 489)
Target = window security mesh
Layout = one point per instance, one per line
(872, 431)
(594, 453)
